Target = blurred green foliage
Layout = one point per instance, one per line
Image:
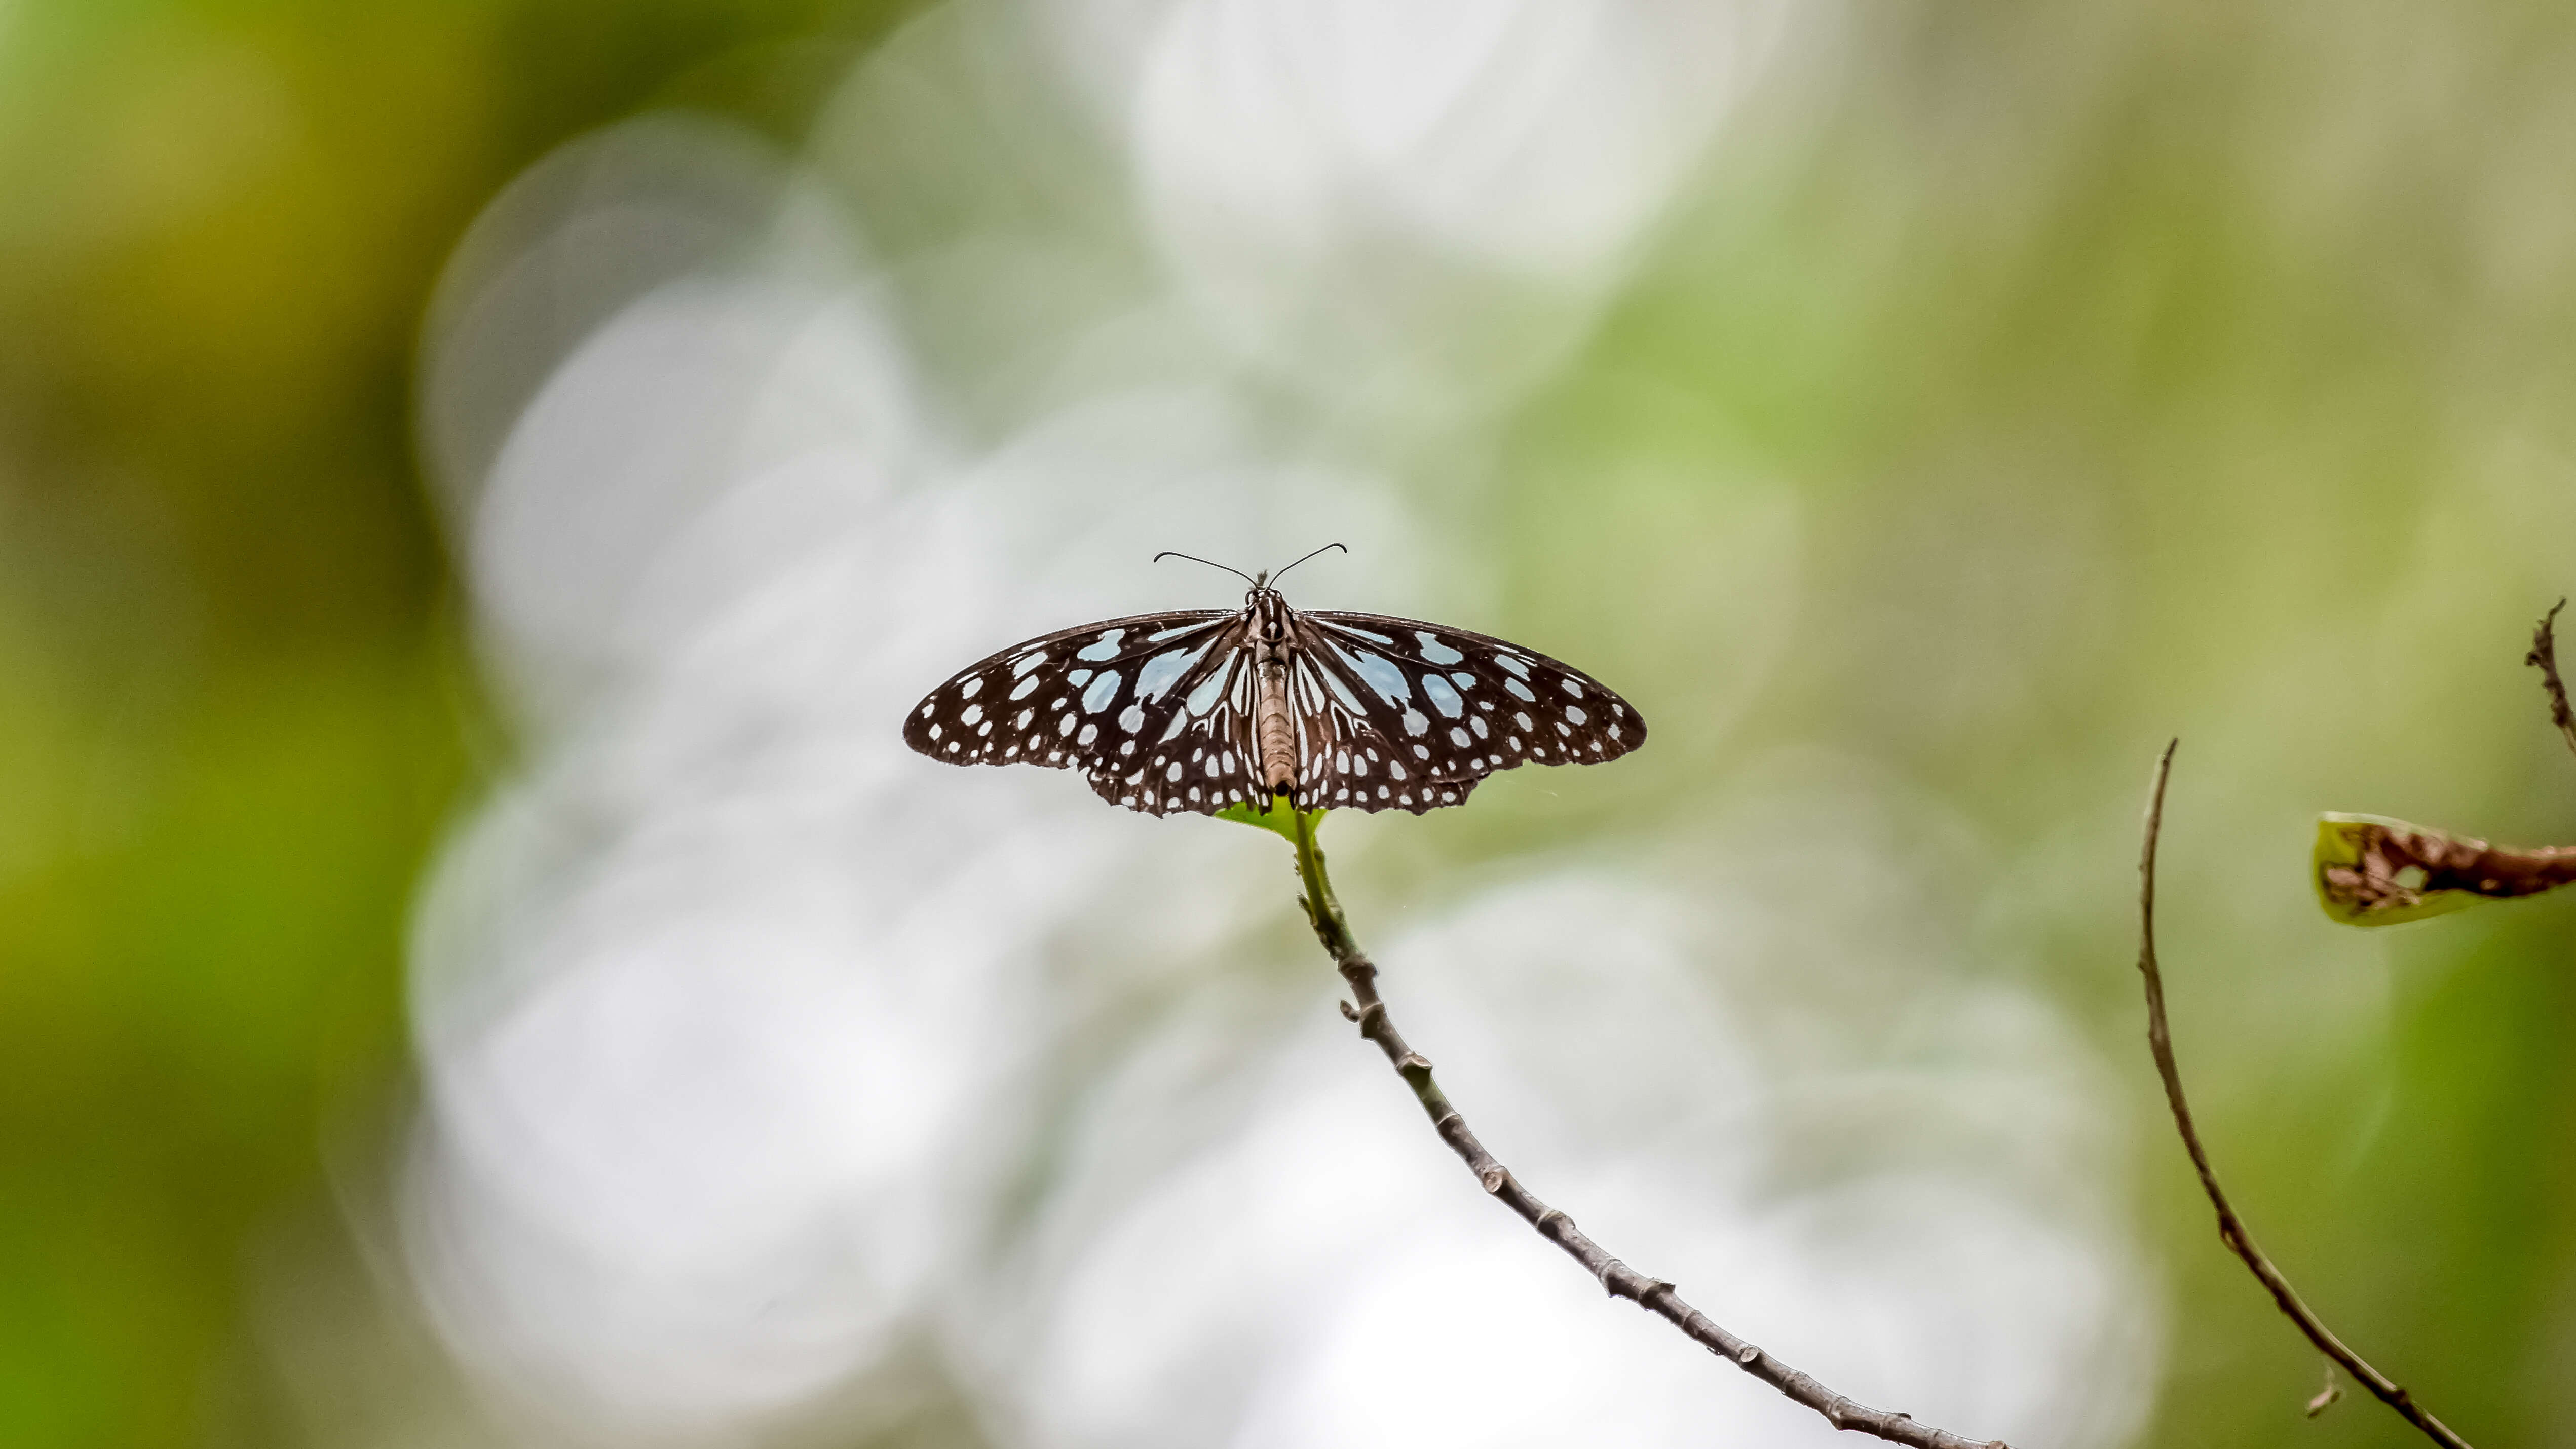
(234, 702)
(2132, 370)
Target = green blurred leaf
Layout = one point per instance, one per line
(1280, 818)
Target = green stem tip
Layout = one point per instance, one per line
(1299, 828)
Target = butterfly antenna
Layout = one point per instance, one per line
(1211, 563)
(1327, 548)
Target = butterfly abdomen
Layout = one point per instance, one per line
(1273, 729)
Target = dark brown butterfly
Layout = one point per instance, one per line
(1203, 709)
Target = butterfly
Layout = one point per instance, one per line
(1200, 710)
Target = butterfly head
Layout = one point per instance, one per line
(1268, 610)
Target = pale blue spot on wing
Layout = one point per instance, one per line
(1356, 629)
(1415, 723)
(1027, 662)
(1379, 673)
(1107, 648)
(1442, 697)
(1435, 651)
(1163, 668)
(1341, 691)
(1102, 690)
(1519, 689)
(1203, 698)
(1078, 678)
(1516, 666)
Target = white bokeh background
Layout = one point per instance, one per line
(771, 1071)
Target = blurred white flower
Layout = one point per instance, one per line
(755, 1048)
(1413, 204)
(1319, 1270)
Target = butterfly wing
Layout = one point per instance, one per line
(1398, 714)
(1156, 709)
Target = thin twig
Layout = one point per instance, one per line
(2544, 657)
(2231, 1228)
(1618, 1279)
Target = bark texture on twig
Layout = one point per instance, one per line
(1618, 1279)
(2231, 1228)
(2544, 657)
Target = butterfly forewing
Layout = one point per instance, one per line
(1155, 709)
(1158, 710)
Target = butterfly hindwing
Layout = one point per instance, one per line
(1415, 713)
(1126, 701)
(1190, 749)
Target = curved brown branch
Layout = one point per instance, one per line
(2231, 1228)
(2544, 657)
(2375, 871)
(1618, 1279)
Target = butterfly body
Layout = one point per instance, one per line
(1198, 710)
